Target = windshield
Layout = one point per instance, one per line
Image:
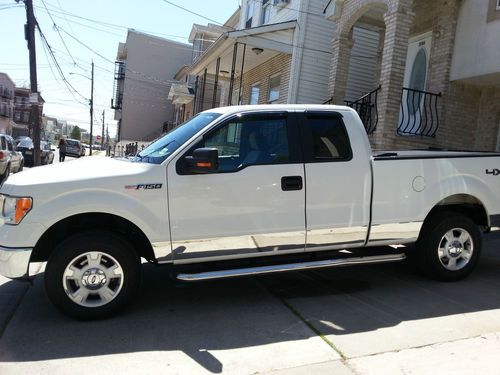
(162, 148)
(25, 143)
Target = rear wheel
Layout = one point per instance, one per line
(92, 275)
(449, 247)
(21, 166)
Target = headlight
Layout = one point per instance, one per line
(14, 209)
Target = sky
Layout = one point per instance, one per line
(96, 25)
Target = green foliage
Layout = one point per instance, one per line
(76, 133)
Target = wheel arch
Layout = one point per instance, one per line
(464, 204)
(88, 221)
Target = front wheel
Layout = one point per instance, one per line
(449, 247)
(92, 275)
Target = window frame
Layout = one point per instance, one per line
(252, 86)
(307, 136)
(295, 151)
(249, 20)
(266, 7)
(269, 101)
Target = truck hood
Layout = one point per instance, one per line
(88, 171)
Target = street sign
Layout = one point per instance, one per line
(98, 137)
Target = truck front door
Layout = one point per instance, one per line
(253, 205)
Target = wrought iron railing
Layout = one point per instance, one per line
(367, 108)
(116, 101)
(418, 114)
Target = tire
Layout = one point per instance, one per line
(77, 276)
(21, 166)
(449, 247)
(5, 174)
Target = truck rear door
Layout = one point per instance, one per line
(253, 204)
(338, 181)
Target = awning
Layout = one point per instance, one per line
(180, 94)
(262, 43)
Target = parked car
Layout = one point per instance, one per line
(11, 160)
(74, 148)
(27, 148)
(251, 190)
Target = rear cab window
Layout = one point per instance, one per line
(325, 137)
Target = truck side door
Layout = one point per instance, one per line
(338, 181)
(253, 205)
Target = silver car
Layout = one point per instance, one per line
(10, 159)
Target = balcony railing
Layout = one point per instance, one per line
(367, 108)
(116, 101)
(418, 114)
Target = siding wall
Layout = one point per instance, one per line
(363, 67)
(314, 68)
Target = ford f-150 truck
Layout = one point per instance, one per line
(244, 190)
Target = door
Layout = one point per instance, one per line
(338, 183)
(412, 98)
(253, 205)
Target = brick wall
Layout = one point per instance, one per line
(262, 73)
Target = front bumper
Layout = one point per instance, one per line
(14, 262)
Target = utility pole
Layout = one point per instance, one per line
(102, 136)
(91, 107)
(29, 32)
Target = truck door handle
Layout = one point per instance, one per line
(291, 183)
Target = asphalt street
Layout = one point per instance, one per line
(379, 319)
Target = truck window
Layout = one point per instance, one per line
(242, 143)
(329, 139)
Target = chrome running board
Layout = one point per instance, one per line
(211, 275)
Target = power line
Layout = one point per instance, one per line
(69, 86)
(60, 36)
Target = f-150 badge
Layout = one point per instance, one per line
(494, 172)
(143, 186)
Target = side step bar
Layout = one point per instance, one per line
(211, 275)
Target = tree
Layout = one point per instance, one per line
(76, 133)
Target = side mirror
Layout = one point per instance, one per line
(204, 160)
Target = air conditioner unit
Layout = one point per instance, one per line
(281, 3)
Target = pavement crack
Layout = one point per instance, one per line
(306, 322)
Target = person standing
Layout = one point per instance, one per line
(62, 150)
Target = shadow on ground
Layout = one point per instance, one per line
(241, 313)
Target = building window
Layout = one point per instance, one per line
(17, 116)
(266, 11)
(255, 93)
(250, 6)
(274, 89)
(26, 117)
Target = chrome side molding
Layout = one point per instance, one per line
(211, 275)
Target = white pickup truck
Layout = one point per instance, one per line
(239, 191)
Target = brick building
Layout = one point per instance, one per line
(432, 68)
(7, 88)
